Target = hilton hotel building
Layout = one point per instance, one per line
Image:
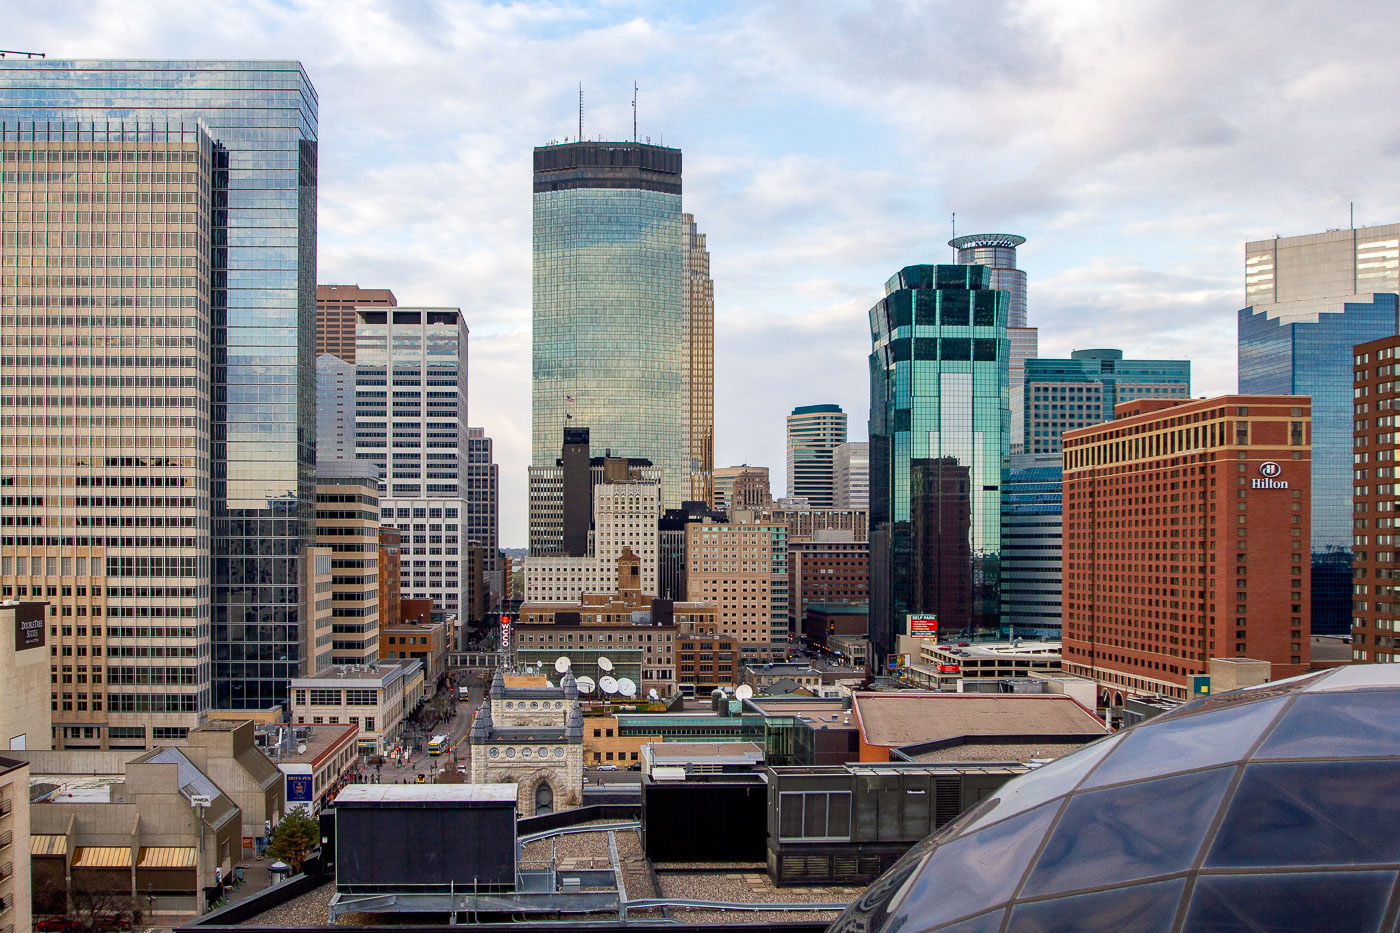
(1186, 530)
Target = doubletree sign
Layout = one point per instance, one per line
(1269, 471)
(29, 626)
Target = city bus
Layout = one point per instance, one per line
(438, 746)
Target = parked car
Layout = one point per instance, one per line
(607, 767)
(635, 766)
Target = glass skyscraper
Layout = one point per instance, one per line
(611, 351)
(938, 448)
(1061, 395)
(262, 120)
(1311, 300)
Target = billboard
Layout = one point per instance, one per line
(29, 626)
(923, 626)
(299, 783)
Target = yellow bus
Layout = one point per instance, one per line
(438, 746)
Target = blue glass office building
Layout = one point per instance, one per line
(1313, 357)
(939, 429)
(1062, 395)
(609, 336)
(261, 117)
(1032, 536)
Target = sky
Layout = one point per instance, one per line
(1136, 146)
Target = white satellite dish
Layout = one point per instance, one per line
(653, 694)
(562, 664)
(604, 664)
(301, 749)
(585, 684)
(607, 684)
(743, 692)
(548, 684)
(626, 687)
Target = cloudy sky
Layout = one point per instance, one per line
(1136, 146)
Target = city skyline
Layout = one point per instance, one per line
(1135, 213)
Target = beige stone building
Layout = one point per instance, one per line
(227, 751)
(25, 715)
(741, 570)
(156, 827)
(374, 697)
(105, 424)
(625, 516)
(15, 910)
(347, 522)
(532, 737)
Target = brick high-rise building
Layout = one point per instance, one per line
(1375, 501)
(335, 316)
(1186, 529)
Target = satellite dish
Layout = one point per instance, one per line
(604, 664)
(607, 684)
(652, 693)
(562, 664)
(744, 692)
(585, 684)
(626, 687)
(548, 684)
(301, 749)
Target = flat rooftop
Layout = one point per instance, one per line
(380, 674)
(1002, 650)
(692, 751)
(427, 793)
(73, 788)
(317, 740)
(911, 718)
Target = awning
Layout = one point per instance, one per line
(101, 857)
(166, 857)
(48, 845)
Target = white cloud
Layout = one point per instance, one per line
(1136, 145)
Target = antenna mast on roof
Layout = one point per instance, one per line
(580, 111)
(955, 225)
(634, 111)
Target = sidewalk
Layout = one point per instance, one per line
(255, 878)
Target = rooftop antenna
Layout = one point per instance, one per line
(1353, 203)
(955, 225)
(580, 111)
(634, 111)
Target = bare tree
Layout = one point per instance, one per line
(100, 909)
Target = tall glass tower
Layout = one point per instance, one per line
(261, 331)
(997, 251)
(611, 351)
(1311, 299)
(938, 449)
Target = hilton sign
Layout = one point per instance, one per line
(1269, 471)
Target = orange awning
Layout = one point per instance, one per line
(48, 845)
(101, 857)
(166, 857)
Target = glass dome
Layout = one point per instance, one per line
(1271, 808)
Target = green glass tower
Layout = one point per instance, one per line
(939, 433)
(610, 340)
